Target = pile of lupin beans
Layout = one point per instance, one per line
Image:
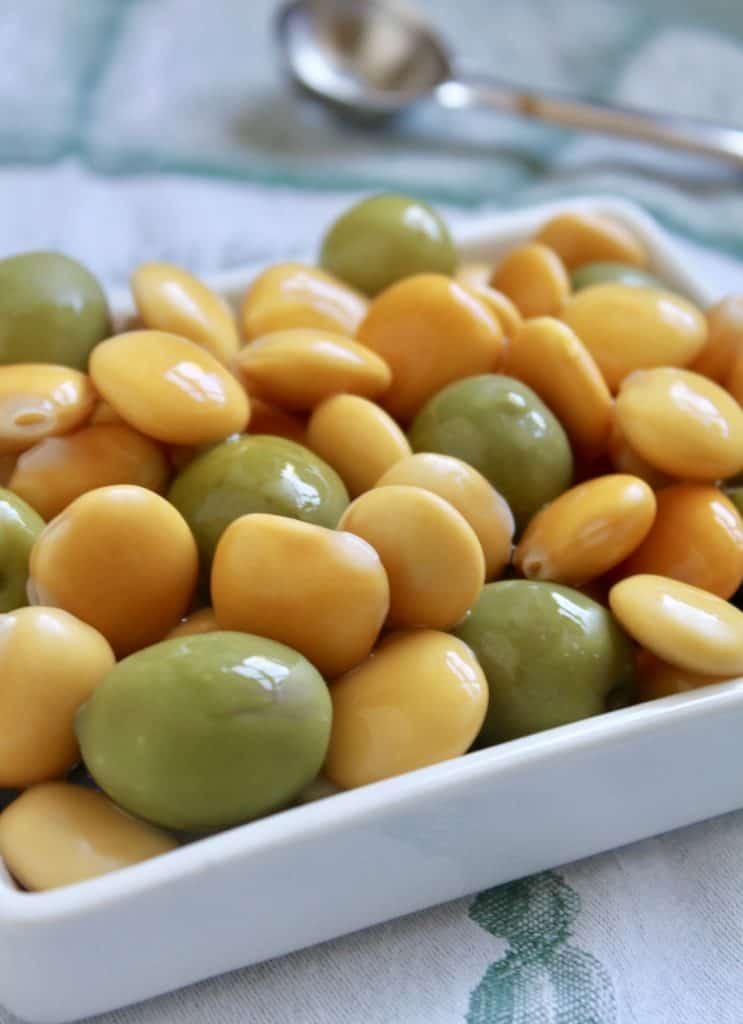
(395, 508)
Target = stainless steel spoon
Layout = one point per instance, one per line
(371, 60)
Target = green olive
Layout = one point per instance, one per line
(503, 429)
(551, 656)
(52, 310)
(19, 528)
(207, 731)
(258, 473)
(612, 273)
(385, 238)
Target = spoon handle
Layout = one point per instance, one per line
(690, 134)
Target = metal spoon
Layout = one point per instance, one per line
(371, 60)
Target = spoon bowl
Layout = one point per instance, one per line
(362, 56)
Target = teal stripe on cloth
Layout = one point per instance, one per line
(140, 86)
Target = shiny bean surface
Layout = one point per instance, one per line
(725, 339)
(697, 537)
(290, 295)
(170, 299)
(683, 625)
(433, 559)
(169, 388)
(499, 304)
(121, 559)
(579, 238)
(298, 369)
(271, 419)
(548, 356)
(50, 663)
(734, 379)
(411, 326)
(681, 423)
(656, 678)
(38, 401)
(469, 492)
(56, 834)
(626, 328)
(534, 278)
(587, 530)
(624, 459)
(357, 438)
(420, 699)
(59, 469)
(322, 592)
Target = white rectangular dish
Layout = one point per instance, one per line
(316, 872)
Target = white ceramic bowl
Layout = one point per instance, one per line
(315, 872)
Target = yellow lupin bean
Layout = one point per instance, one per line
(656, 678)
(534, 278)
(322, 592)
(548, 356)
(697, 537)
(357, 438)
(500, 306)
(39, 400)
(292, 295)
(627, 328)
(412, 326)
(580, 238)
(270, 419)
(170, 299)
(202, 621)
(57, 834)
(419, 699)
(103, 414)
(56, 471)
(470, 493)
(587, 530)
(682, 423)
(121, 559)
(725, 341)
(298, 369)
(169, 388)
(431, 554)
(734, 380)
(624, 459)
(50, 663)
(683, 625)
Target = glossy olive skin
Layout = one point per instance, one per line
(503, 429)
(606, 272)
(20, 525)
(255, 474)
(551, 656)
(385, 238)
(207, 731)
(52, 310)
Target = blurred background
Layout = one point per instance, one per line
(134, 129)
